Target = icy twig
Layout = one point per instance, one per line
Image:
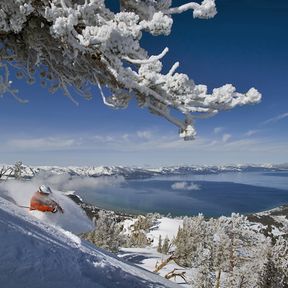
(207, 9)
(173, 69)
(149, 60)
(102, 94)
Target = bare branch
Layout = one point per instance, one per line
(163, 263)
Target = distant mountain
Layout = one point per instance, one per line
(8, 171)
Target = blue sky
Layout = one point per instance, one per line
(246, 44)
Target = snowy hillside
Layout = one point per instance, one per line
(74, 218)
(37, 254)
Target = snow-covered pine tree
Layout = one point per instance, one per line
(166, 245)
(247, 251)
(18, 166)
(280, 261)
(79, 43)
(163, 246)
(204, 276)
(108, 233)
(189, 240)
(220, 251)
(144, 222)
(159, 247)
(142, 225)
(3, 171)
(269, 276)
(224, 251)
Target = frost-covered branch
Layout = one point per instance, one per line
(151, 59)
(207, 9)
(73, 44)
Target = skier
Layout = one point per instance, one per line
(41, 201)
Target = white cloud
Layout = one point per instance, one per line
(185, 186)
(125, 137)
(251, 133)
(226, 137)
(144, 134)
(213, 143)
(240, 145)
(120, 142)
(218, 130)
(125, 148)
(42, 143)
(65, 182)
(276, 119)
(101, 139)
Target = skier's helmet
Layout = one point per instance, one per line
(45, 189)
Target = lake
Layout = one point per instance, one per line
(212, 195)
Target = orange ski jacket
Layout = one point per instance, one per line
(43, 203)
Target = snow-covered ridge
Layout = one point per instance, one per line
(35, 254)
(136, 172)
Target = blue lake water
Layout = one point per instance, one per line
(212, 195)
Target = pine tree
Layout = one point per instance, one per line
(279, 257)
(166, 245)
(269, 276)
(189, 239)
(140, 228)
(159, 247)
(108, 233)
(204, 278)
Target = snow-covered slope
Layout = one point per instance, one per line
(74, 218)
(35, 254)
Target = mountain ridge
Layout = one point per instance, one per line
(9, 171)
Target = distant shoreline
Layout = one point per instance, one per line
(261, 216)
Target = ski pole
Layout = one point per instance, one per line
(21, 206)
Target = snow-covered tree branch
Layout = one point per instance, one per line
(79, 43)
